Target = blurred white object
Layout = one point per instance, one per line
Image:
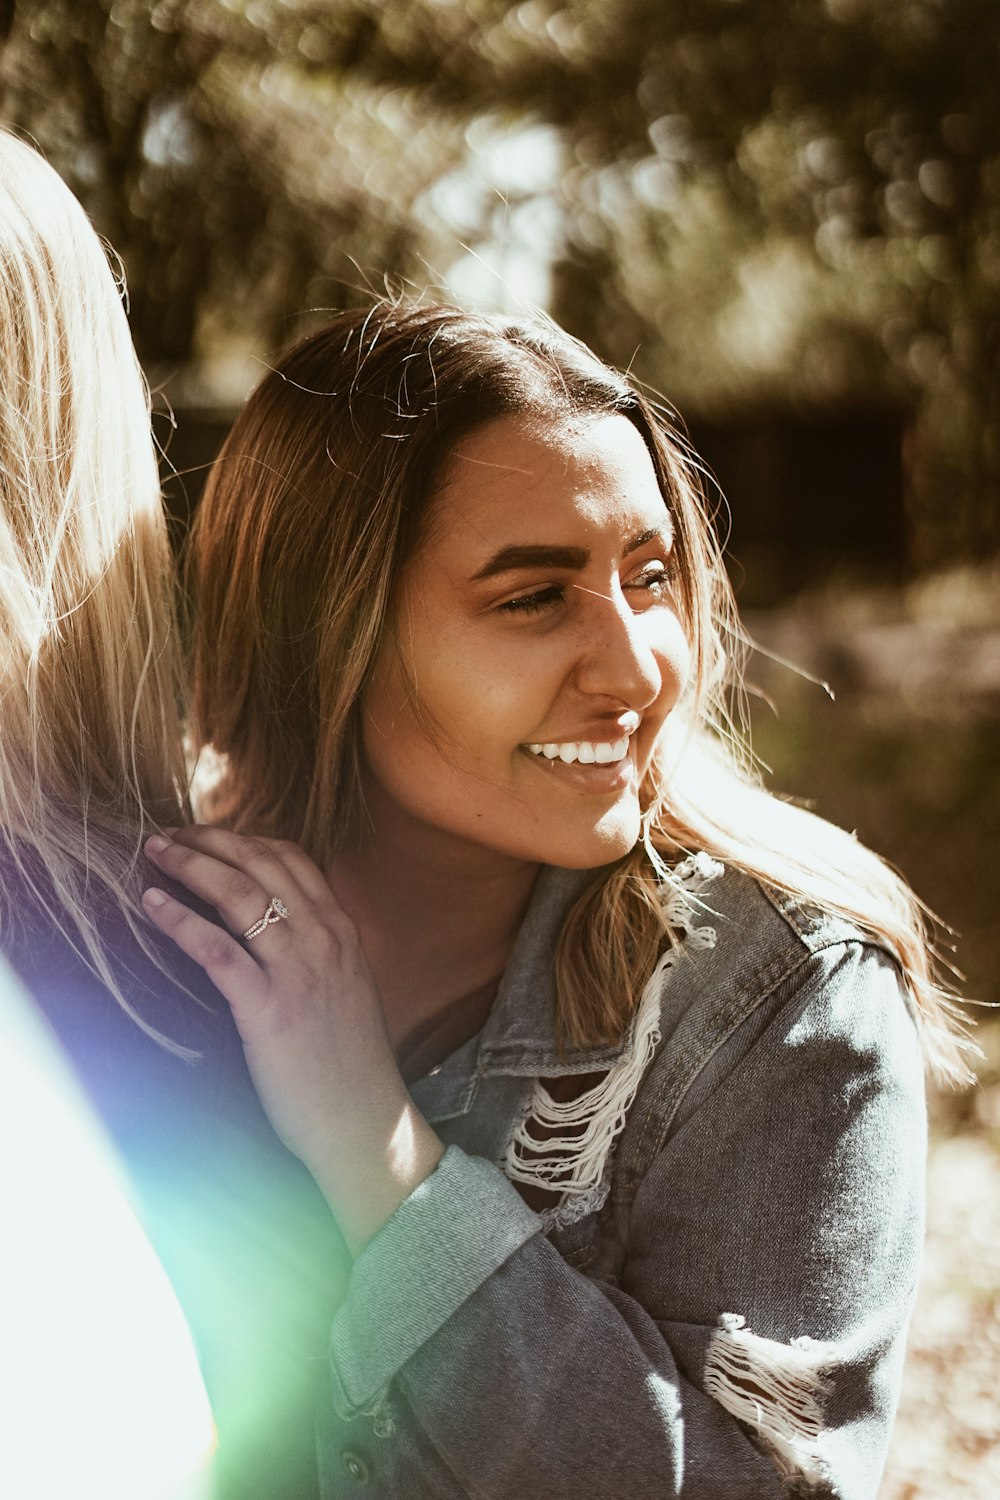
(100, 1389)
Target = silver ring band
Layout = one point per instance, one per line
(276, 911)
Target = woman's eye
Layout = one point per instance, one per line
(654, 580)
(533, 603)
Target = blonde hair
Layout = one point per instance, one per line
(91, 746)
(318, 499)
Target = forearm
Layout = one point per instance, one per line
(373, 1165)
(535, 1381)
(589, 1396)
(504, 1373)
(794, 1206)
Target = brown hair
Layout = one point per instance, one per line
(319, 498)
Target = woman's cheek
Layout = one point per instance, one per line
(674, 655)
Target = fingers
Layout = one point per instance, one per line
(231, 969)
(308, 875)
(254, 854)
(240, 893)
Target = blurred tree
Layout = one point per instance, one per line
(236, 155)
(767, 200)
(815, 214)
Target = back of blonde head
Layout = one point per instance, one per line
(91, 745)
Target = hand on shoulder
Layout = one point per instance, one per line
(294, 972)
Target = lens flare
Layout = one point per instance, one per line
(100, 1389)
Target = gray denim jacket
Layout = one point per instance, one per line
(729, 1321)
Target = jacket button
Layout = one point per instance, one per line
(356, 1465)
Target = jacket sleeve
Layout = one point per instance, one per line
(750, 1343)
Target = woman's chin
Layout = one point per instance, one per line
(599, 844)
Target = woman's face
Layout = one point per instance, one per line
(537, 649)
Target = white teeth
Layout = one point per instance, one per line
(605, 755)
(586, 752)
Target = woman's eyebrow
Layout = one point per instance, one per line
(508, 559)
(664, 534)
(574, 559)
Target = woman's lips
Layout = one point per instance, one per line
(607, 775)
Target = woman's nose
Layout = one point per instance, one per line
(618, 659)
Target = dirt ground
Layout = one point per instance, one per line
(947, 1438)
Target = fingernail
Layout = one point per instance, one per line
(156, 844)
(153, 897)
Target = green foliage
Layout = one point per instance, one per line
(777, 200)
(235, 155)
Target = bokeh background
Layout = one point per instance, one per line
(784, 217)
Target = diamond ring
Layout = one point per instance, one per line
(276, 910)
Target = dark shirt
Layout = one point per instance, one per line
(241, 1229)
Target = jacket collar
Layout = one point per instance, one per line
(519, 1036)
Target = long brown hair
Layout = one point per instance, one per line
(319, 498)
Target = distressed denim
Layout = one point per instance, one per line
(730, 1321)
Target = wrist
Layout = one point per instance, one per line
(371, 1171)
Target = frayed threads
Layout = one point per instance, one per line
(565, 1146)
(380, 1413)
(777, 1389)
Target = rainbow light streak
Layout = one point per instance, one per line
(101, 1397)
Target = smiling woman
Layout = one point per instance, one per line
(606, 1062)
(539, 636)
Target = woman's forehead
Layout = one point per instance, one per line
(544, 475)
